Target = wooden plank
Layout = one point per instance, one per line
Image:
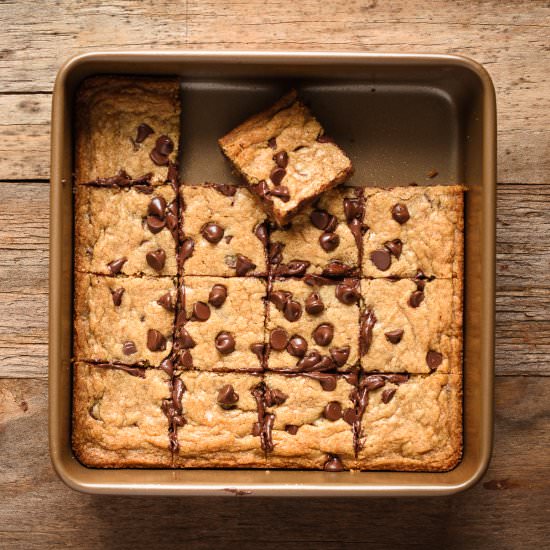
(512, 44)
(523, 300)
(508, 509)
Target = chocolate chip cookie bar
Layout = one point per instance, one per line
(414, 230)
(224, 232)
(411, 325)
(127, 131)
(215, 418)
(221, 324)
(285, 157)
(118, 420)
(409, 423)
(304, 423)
(325, 238)
(126, 231)
(125, 320)
(312, 324)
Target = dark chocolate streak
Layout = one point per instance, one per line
(122, 179)
(265, 420)
(138, 371)
(173, 410)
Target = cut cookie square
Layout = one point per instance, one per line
(285, 157)
(325, 238)
(126, 231)
(414, 229)
(117, 417)
(221, 327)
(123, 319)
(313, 327)
(411, 325)
(127, 130)
(224, 232)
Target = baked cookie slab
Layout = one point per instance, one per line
(224, 232)
(411, 425)
(324, 238)
(411, 326)
(221, 324)
(285, 157)
(219, 412)
(312, 327)
(126, 231)
(412, 230)
(127, 130)
(127, 320)
(306, 417)
(118, 420)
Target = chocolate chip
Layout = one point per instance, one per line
(155, 340)
(416, 298)
(243, 265)
(368, 320)
(314, 304)
(353, 209)
(336, 268)
(323, 138)
(201, 312)
(281, 192)
(227, 397)
(279, 298)
(156, 259)
(297, 346)
(292, 429)
(329, 241)
(212, 232)
(167, 366)
(116, 295)
(309, 361)
(387, 395)
(395, 247)
(225, 343)
(224, 189)
(261, 232)
(281, 160)
(352, 377)
(277, 175)
(116, 265)
(218, 295)
(272, 142)
(323, 334)
(166, 302)
(333, 411)
(258, 350)
(320, 219)
(394, 336)
(333, 464)
(434, 359)
(326, 363)
(163, 147)
(347, 292)
(292, 311)
(340, 355)
(275, 397)
(328, 381)
(185, 359)
(397, 378)
(275, 255)
(184, 339)
(400, 213)
(381, 259)
(262, 189)
(186, 250)
(294, 268)
(373, 382)
(278, 339)
(143, 131)
(350, 416)
(157, 207)
(129, 348)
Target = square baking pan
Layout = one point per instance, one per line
(399, 117)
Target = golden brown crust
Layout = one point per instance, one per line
(109, 110)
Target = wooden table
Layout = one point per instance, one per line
(509, 508)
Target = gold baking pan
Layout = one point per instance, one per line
(399, 117)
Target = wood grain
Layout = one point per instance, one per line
(508, 509)
(523, 285)
(511, 42)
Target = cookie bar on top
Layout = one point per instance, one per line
(127, 130)
(285, 157)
